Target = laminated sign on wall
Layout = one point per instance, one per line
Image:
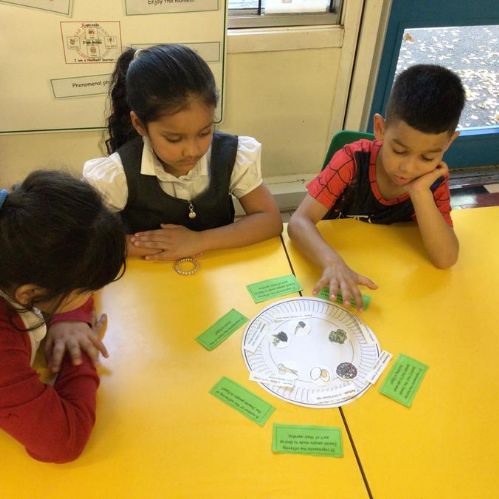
(58, 55)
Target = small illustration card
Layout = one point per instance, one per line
(403, 380)
(256, 337)
(271, 288)
(373, 375)
(286, 380)
(221, 329)
(324, 294)
(242, 400)
(311, 440)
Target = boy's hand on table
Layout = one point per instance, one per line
(75, 337)
(171, 241)
(424, 182)
(339, 277)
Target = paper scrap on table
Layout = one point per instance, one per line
(403, 380)
(311, 440)
(324, 293)
(286, 316)
(285, 380)
(379, 367)
(257, 334)
(242, 400)
(332, 395)
(271, 288)
(221, 329)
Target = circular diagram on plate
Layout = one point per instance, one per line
(310, 352)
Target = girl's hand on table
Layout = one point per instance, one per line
(171, 241)
(136, 251)
(75, 337)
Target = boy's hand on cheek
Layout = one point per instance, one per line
(172, 242)
(424, 182)
(341, 278)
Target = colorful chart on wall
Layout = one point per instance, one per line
(311, 352)
(58, 55)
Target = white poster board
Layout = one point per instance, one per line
(58, 55)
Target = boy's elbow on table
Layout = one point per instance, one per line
(445, 261)
(291, 229)
(296, 226)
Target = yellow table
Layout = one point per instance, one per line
(447, 444)
(159, 433)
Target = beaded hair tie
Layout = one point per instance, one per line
(186, 266)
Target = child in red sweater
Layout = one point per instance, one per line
(58, 244)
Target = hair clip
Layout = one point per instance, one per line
(181, 268)
(137, 53)
(3, 196)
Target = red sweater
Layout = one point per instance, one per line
(52, 422)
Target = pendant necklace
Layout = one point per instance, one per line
(192, 213)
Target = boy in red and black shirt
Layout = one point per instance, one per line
(400, 176)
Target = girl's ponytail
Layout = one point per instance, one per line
(119, 124)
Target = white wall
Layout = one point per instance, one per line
(286, 87)
(282, 98)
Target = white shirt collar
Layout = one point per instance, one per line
(151, 165)
(30, 318)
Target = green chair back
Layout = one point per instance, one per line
(342, 138)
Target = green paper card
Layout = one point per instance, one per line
(242, 400)
(403, 380)
(278, 286)
(222, 329)
(324, 293)
(312, 440)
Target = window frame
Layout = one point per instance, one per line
(252, 18)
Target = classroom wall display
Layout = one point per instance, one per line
(58, 55)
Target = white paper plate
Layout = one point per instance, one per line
(324, 349)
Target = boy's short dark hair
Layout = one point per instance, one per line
(427, 97)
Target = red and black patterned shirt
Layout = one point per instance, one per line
(348, 188)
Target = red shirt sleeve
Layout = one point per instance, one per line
(52, 422)
(442, 199)
(81, 314)
(328, 186)
(441, 195)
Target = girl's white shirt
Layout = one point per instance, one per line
(31, 319)
(108, 176)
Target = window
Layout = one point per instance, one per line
(265, 13)
(469, 52)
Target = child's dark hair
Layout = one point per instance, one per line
(55, 232)
(427, 97)
(154, 82)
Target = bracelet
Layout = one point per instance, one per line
(192, 266)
